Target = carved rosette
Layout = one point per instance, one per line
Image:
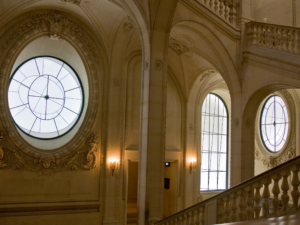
(128, 25)
(85, 158)
(23, 29)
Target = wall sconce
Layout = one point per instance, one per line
(192, 166)
(113, 166)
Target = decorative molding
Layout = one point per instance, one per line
(85, 159)
(158, 64)
(207, 74)
(192, 127)
(236, 122)
(146, 66)
(273, 62)
(177, 46)
(128, 25)
(271, 161)
(25, 28)
(248, 122)
(76, 2)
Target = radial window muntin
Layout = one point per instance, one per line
(45, 97)
(268, 120)
(216, 170)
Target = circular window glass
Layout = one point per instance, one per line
(45, 97)
(274, 123)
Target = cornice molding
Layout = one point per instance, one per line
(272, 62)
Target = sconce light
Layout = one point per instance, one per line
(192, 165)
(113, 166)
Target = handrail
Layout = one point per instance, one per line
(248, 194)
(273, 36)
(226, 9)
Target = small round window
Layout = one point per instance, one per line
(45, 97)
(274, 123)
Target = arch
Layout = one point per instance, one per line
(248, 125)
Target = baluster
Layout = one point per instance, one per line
(216, 6)
(196, 216)
(171, 222)
(220, 211)
(221, 6)
(270, 38)
(206, 2)
(275, 36)
(249, 210)
(285, 187)
(266, 36)
(261, 35)
(185, 219)
(296, 42)
(284, 40)
(242, 205)
(275, 192)
(233, 207)
(211, 2)
(190, 218)
(227, 209)
(292, 42)
(288, 41)
(232, 14)
(255, 34)
(176, 221)
(257, 199)
(295, 183)
(226, 11)
(203, 215)
(249, 34)
(279, 39)
(180, 220)
(266, 195)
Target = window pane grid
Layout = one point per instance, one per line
(274, 123)
(214, 144)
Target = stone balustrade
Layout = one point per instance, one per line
(226, 9)
(270, 194)
(278, 37)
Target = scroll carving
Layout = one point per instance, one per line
(84, 158)
(177, 46)
(273, 161)
(207, 74)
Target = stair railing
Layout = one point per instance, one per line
(226, 9)
(278, 37)
(250, 200)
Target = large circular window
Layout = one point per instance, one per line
(45, 97)
(274, 123)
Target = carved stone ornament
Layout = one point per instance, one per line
(177, 46)
(236, 122)
(248, 122)
(20, 31)
(146, 66)
(192, 127)
(273, 161)
(158, 64)
(128, 24)
(207, 74)
(76, 2)
(85, 158)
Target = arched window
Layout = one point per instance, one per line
(214, 144)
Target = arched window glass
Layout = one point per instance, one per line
(214, 139)
(274, 123)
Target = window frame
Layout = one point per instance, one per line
(260, 125)
(227, 146)
(82, 90)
